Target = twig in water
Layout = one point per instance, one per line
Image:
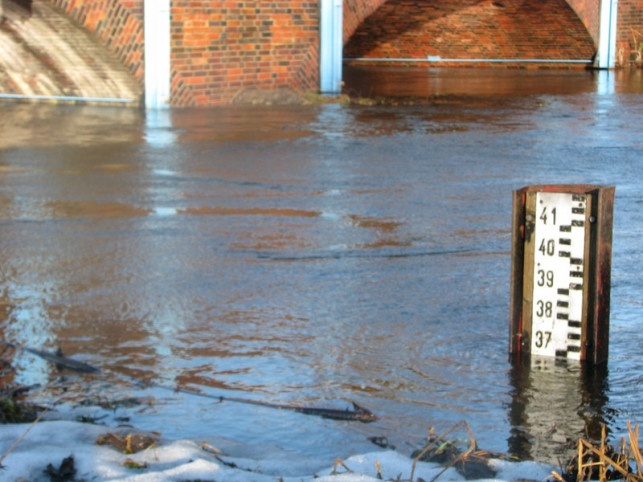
(57, 359)
(339, 461)
(358, 413)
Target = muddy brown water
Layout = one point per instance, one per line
(318, 254)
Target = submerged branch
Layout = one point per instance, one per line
(359, 414)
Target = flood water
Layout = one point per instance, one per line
(316, 255)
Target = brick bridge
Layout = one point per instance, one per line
(202, 52)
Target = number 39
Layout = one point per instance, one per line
(545, 278)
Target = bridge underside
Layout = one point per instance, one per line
(217, 50)
(46, 56)
(472, 29)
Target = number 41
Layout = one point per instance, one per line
(544, 216)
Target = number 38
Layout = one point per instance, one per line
(544, 309)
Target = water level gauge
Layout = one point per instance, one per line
(561, 262)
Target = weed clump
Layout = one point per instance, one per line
(601, 461)
(13, 410)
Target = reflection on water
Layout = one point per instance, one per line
(396, 82)
(158, 128)
(318, 254)
(552, 402)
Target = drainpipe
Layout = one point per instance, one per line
(156, 26)
(606, 55)
(331, 46)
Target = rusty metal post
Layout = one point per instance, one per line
(560, 272)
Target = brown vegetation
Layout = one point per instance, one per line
(603, 462)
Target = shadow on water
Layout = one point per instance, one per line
(318, 254)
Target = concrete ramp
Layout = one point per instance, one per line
(44, 55)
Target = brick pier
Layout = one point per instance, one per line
(219, 49)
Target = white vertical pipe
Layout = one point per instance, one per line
(607, 35)
(331, 46)
(156, 26)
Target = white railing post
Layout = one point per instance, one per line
(606, 55)
(156, 26)
(331, 47)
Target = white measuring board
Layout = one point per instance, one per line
(559, 271)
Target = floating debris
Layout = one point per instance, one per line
(132, 464)
(128, 440)
(127, 402)
(381, 442)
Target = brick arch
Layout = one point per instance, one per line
(589, 13)
(460, 29)
(118, 24)
(355, 12)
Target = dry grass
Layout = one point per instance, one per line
(472, 462)
(603, 462)
(637, 46)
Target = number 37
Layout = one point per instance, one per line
(542, 339)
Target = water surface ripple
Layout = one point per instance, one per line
(314, 255)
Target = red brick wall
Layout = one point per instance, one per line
(466, 29)
(218, 48)
(221, 48)
(629, 38)
(116, 23)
